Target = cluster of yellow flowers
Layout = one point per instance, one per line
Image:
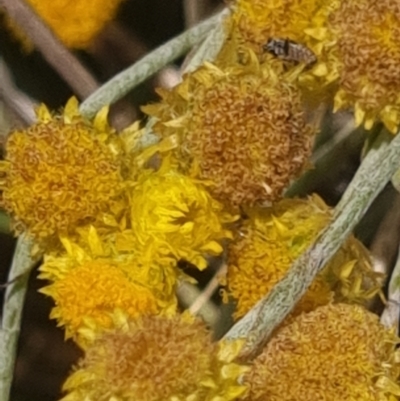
(113, 220)
(112, 234)
(354, 44)
(272, 238)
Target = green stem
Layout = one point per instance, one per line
(125, 81)
(12, 312)
(375, 171)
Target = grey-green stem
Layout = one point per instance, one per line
(375, 171)
(12, 312)
(125, 81)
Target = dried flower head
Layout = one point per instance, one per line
(173, 214)
(155, 359)
(62, 172)
(242, 129)
(337, 352)
(75, 23)
(368, 42)
(272, 238)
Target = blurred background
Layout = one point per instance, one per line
(44, 358)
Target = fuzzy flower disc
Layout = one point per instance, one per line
(242, 129)
(93, 291)
(60, 173)
(171, 213)
(146, 266)
(156, 359)
(270, 241)
(305, 23)
(335, 353)
(258, 20)
(369, 50)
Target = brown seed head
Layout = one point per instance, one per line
(368, 43)
(157, 358)
(337, 352)
(249, 136)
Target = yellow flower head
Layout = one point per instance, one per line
(258, 20)
(271, 240)
(305, 23)
(350, 273)
(99, 275)
(172, 214)
(92, 291)
(242, 129)
(157, 358)
(76, 23)
(62, 172)
(337, 352)
(369, 51)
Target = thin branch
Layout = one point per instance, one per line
(21, 104)
(386, 239)
(375, 171)
(56, 54)
(339, 137)
(194, 11)
(209, 49)
(125, 81)
(391, 314)
(204, 298)
(187, 294)
(21, 265)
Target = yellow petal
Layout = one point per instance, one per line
(359, 114)
(320, 70)
(212, 247)
(100, 121)
(388, 385)
(346, 269)
(43, 113)
(94, 242)
(229, 350)
(177, 122)
(319, 33)
(71, 109)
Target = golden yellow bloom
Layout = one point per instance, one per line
(153, 268)
(172, 214)
(76, 23)
(242, 129)
(337, 352)
(63, 172)
(92, 291)
(368, 44)
(153, 359)
(270, 241)
(258, 20)
(155, 277)
(254, 22)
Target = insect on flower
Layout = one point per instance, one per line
(289, 50)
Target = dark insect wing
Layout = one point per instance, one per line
(289, 50)
(287, 44)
